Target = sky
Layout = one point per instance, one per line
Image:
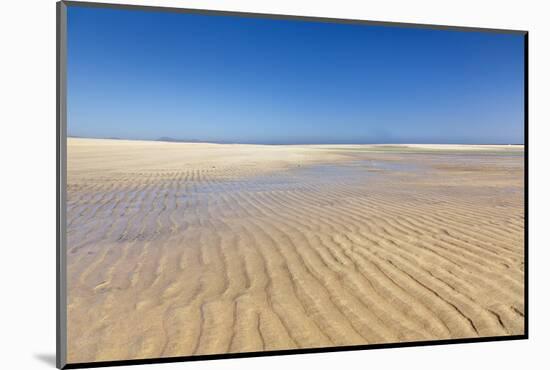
(137, 74)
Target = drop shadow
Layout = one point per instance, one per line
(47, 358)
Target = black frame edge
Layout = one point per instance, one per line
(302, 351)
(61, 120)
(526, 181)
(288, 17)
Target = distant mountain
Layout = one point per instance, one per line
(173, 140)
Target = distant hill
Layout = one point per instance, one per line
(174, 140)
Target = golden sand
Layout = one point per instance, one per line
(179, 249)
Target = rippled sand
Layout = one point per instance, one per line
(181, 249)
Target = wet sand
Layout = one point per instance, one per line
(179, 249)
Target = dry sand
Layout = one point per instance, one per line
(181, 249)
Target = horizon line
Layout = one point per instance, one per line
(197, 141)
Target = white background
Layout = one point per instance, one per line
(27, 206)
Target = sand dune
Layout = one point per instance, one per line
(181, 249)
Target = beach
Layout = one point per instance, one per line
(181, 249)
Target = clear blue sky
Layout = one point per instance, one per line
(143, 75)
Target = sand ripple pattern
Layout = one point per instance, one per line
(220, 259)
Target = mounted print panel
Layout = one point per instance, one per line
(237, 184)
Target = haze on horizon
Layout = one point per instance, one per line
(145, 75)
